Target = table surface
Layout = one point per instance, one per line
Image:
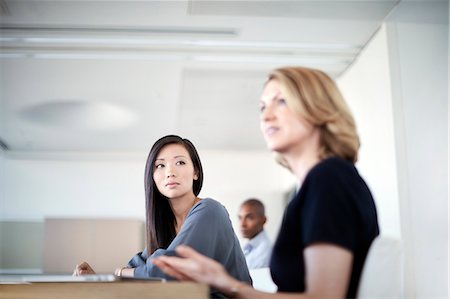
(107, 290)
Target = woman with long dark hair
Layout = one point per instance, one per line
(175, 215)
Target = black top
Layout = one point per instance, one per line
(334, 205)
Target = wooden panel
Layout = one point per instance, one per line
(105, 290)
(104, 243)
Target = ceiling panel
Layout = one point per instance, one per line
(140, 88)
(220, 107)
(362, 10)
(149, 68)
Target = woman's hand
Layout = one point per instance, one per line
(192, 265)
(83, 269)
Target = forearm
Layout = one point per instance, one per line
(233, 288)
(127, 272)
(124, 272)
(141, 266)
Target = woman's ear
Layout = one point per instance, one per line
(195, 176)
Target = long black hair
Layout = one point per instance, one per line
(160, 220)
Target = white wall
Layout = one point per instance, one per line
(398, 91)
(48, 185)
(2, 180)
(367, 90)
(111, 185)
(2, 195)
(418, 51)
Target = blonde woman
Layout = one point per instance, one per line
(330, 224)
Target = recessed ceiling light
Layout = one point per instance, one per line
(78, 114)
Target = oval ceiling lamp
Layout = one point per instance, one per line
(79, 114)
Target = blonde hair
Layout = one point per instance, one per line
(314, 96)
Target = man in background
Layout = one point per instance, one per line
(258, 248)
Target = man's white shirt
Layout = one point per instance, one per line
(258, 250)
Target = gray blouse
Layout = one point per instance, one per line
(208, 230)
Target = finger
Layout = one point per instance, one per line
(77, 271)
(182, 265)
(181, 272)
(84, 266)
(166, 268)
(187, 251)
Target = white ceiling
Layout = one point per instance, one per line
(117, 75)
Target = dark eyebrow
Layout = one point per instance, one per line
(176, 157)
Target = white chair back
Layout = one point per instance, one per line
(262, 280)
(382, 275)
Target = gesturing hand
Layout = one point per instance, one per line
(83, 269)
(192, 265)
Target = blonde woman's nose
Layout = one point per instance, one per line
(267, 113)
